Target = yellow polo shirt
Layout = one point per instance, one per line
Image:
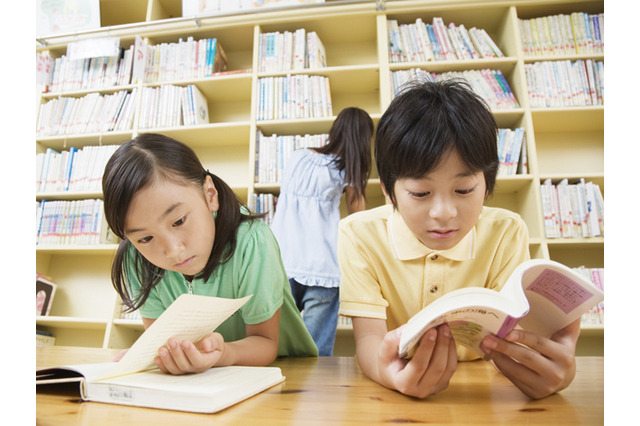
(387, 273)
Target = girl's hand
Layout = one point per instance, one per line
(188, 357)
(536, 365)
(430, 369)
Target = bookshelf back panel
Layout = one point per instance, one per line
(589, 254)
(230, 163)
(84, 287)
(119, 12)
(570, 153)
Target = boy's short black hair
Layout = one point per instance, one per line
(426, 122)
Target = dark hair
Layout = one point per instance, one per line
(350, 141)
(426, 122)
(138, 163)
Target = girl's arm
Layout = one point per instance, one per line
(354, 204)
(260, 347)
(427, 373)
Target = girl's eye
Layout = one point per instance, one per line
(465, 191)
(144, 240)
(179, 221)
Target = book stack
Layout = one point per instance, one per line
(173, 106)
(263, 203)
(272, 153)
(72, 170)
(93, 73)
(184, 60)
(133, 315)
(491, 85)
(512, 152)
(565, 83)
(289, 51)
(563, 34)
(72, 222)
(93, 113)
(44, 338)
(45, 291)
(294, 96)
(572, 210)
(420, 42)
(595, 316)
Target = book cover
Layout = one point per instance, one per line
(541, 296)
(45, 290)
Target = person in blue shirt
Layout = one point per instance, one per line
(306, 219)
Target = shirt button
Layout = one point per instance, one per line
(433, 289)
(434, 257)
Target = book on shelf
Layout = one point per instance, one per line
(45, 291)
(136, 381)
(173, 106)
(73, 169)
(491, 85)
(263, 203)
(72, 222)
(572, 210)
(541, 296)
(44, 338)
(290, 50)
(294, 96)
(565, 83)
(272, 153)
(510, 146)
(595, 315)
(92, 113)
(420, 42)
(563, 34)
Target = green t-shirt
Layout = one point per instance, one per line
(254, 269)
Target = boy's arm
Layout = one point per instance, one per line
(427, 373)
(536, 365)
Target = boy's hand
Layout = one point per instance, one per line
(536, 365)
(188, 357)
(430, 369)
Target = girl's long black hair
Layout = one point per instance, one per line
(350, 141)
(138, 163)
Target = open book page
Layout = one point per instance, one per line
(188, 317)
(541, 296)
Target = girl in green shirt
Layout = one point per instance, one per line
(183, 230)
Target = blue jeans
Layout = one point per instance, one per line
(319, 307)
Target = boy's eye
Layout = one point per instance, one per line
(465, 191)
(419, 194)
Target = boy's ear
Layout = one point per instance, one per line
(211, 194)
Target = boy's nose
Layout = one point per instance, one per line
(443, 208)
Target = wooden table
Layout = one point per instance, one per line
(333, 391)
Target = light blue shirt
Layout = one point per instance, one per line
(307, 216)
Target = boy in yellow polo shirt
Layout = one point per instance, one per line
(437, 159)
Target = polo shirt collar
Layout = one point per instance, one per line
(407, 246)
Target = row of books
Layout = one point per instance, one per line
(294, 96)
(72, 222)
(92, 113)
(263, 203)
(272, 153)
(572, 210)
(420, 42)
(289, 51)
(565, 83)
(185, 60)
(68, 74)
(595, 316)
(73, 169)
(133, 315)
(491, 85)
(172, 106)
(512, 152)
(563, 34)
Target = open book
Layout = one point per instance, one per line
(135, 380)
(541, 296)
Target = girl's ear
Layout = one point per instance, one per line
(384, 191)
(210, 194)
